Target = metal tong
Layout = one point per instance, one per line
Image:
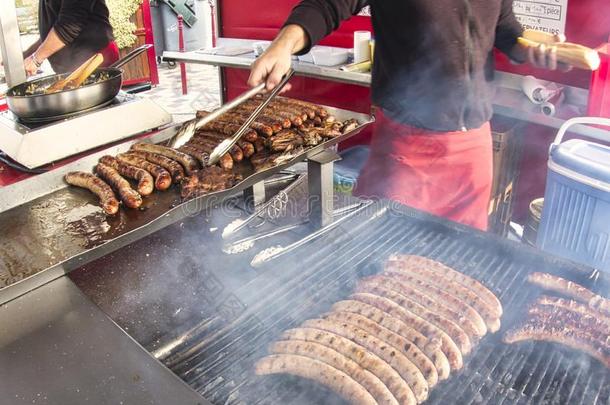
(186, 132)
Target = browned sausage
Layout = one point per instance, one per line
(431, 347)
(162, 177)
(188, 162)
(317, 371)
(258, 125)
(269, 116)
(230, 128)
(248, 148)
(316, 351)
(432, 290)
(452, 274)
(428, 329)
(173, 167)
(431, 304)
(236, 151)
(318, 110)
(409, 349)
(202, 152)
(365, 359)
(129, 196)
(487, 311)
(398, 361)
(146, 184)
(574, 306)
(97, 186)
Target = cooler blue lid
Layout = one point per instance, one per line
(587, 158)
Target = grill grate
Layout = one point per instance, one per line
(218, 362)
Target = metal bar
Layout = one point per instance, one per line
(181, 48)
(10, 45)
(321, 189)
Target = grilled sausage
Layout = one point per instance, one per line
(173, 167)
(452, 300)
(248, 148)
(335, 359)
(452, 274)
(431, 347)
(317, 371)
(431, 304)
(195, 152)
(398, 361)
(236, 151)
(318, 110)
(188, 162)
(409, 349)
(426, 328)
(97, 186)
(557, 332)
(202, 151)
(129, 196)
(369, 361)
(385, 290)
(230, 128)
(285, 119)
(588, 322)
(489, 314)
(571, 289)
(258, 125)
(574, 306)
(163, 179)
(146, 184)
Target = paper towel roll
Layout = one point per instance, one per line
(533, 89)
(362, 50)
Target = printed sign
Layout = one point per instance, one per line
(542, 15)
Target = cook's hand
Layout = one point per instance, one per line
(30, 66)
(274, 63)
(544, 56)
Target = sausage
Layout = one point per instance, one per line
(566, 335)
(369, 361)
(258, 125)
(163, 179)
(398, 361)
(431, 347)
(236, 151)
(452, 300)
(188, 162)
(570, 289)
(129, 196)
(230, 128)
(409, 349)
(319, 110)
(317, 371)
(202, 152)
(270, 114)
(174, 168)
(587, 322)
(97, 186)
(452, 274)
(489, 314)
(574, 306)
(248, 148)
(259, 145)
(385, 290)
(195, 152)
(146, 183)
(431, 304)
(316, 351)
(426, 328)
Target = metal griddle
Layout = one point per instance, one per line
(212, 333)
(49, 228)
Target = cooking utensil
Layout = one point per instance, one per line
(50, 107)
(226, 145)
(575, 55)
(78, 76)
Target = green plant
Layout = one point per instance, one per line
(120, 19)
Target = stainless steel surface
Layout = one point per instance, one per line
(226, 145)
(10, 45)
(54, 106)
(189, 128)
(65, 227)
(254, 196)
(57, 347)
(321, 185)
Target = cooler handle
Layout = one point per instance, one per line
(581, 120)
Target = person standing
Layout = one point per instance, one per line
(71, 31)
(433, 64)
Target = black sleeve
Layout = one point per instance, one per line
(72, 18)
(508, 28)
(321, 17)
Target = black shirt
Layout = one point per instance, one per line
(433, 58)
(82, 25)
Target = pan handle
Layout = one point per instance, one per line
(131, 55)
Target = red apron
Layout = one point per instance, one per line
(448, 174)
(110, 54)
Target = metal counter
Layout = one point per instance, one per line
(509, 100)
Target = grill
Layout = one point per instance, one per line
(215, 354)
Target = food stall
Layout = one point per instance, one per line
(251, 281)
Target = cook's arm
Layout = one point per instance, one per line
(308, 23)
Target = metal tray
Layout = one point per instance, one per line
(48, 228)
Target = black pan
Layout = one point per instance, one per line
(99, 89)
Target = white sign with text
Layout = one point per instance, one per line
(542, 15)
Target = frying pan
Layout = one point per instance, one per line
(50, 107)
